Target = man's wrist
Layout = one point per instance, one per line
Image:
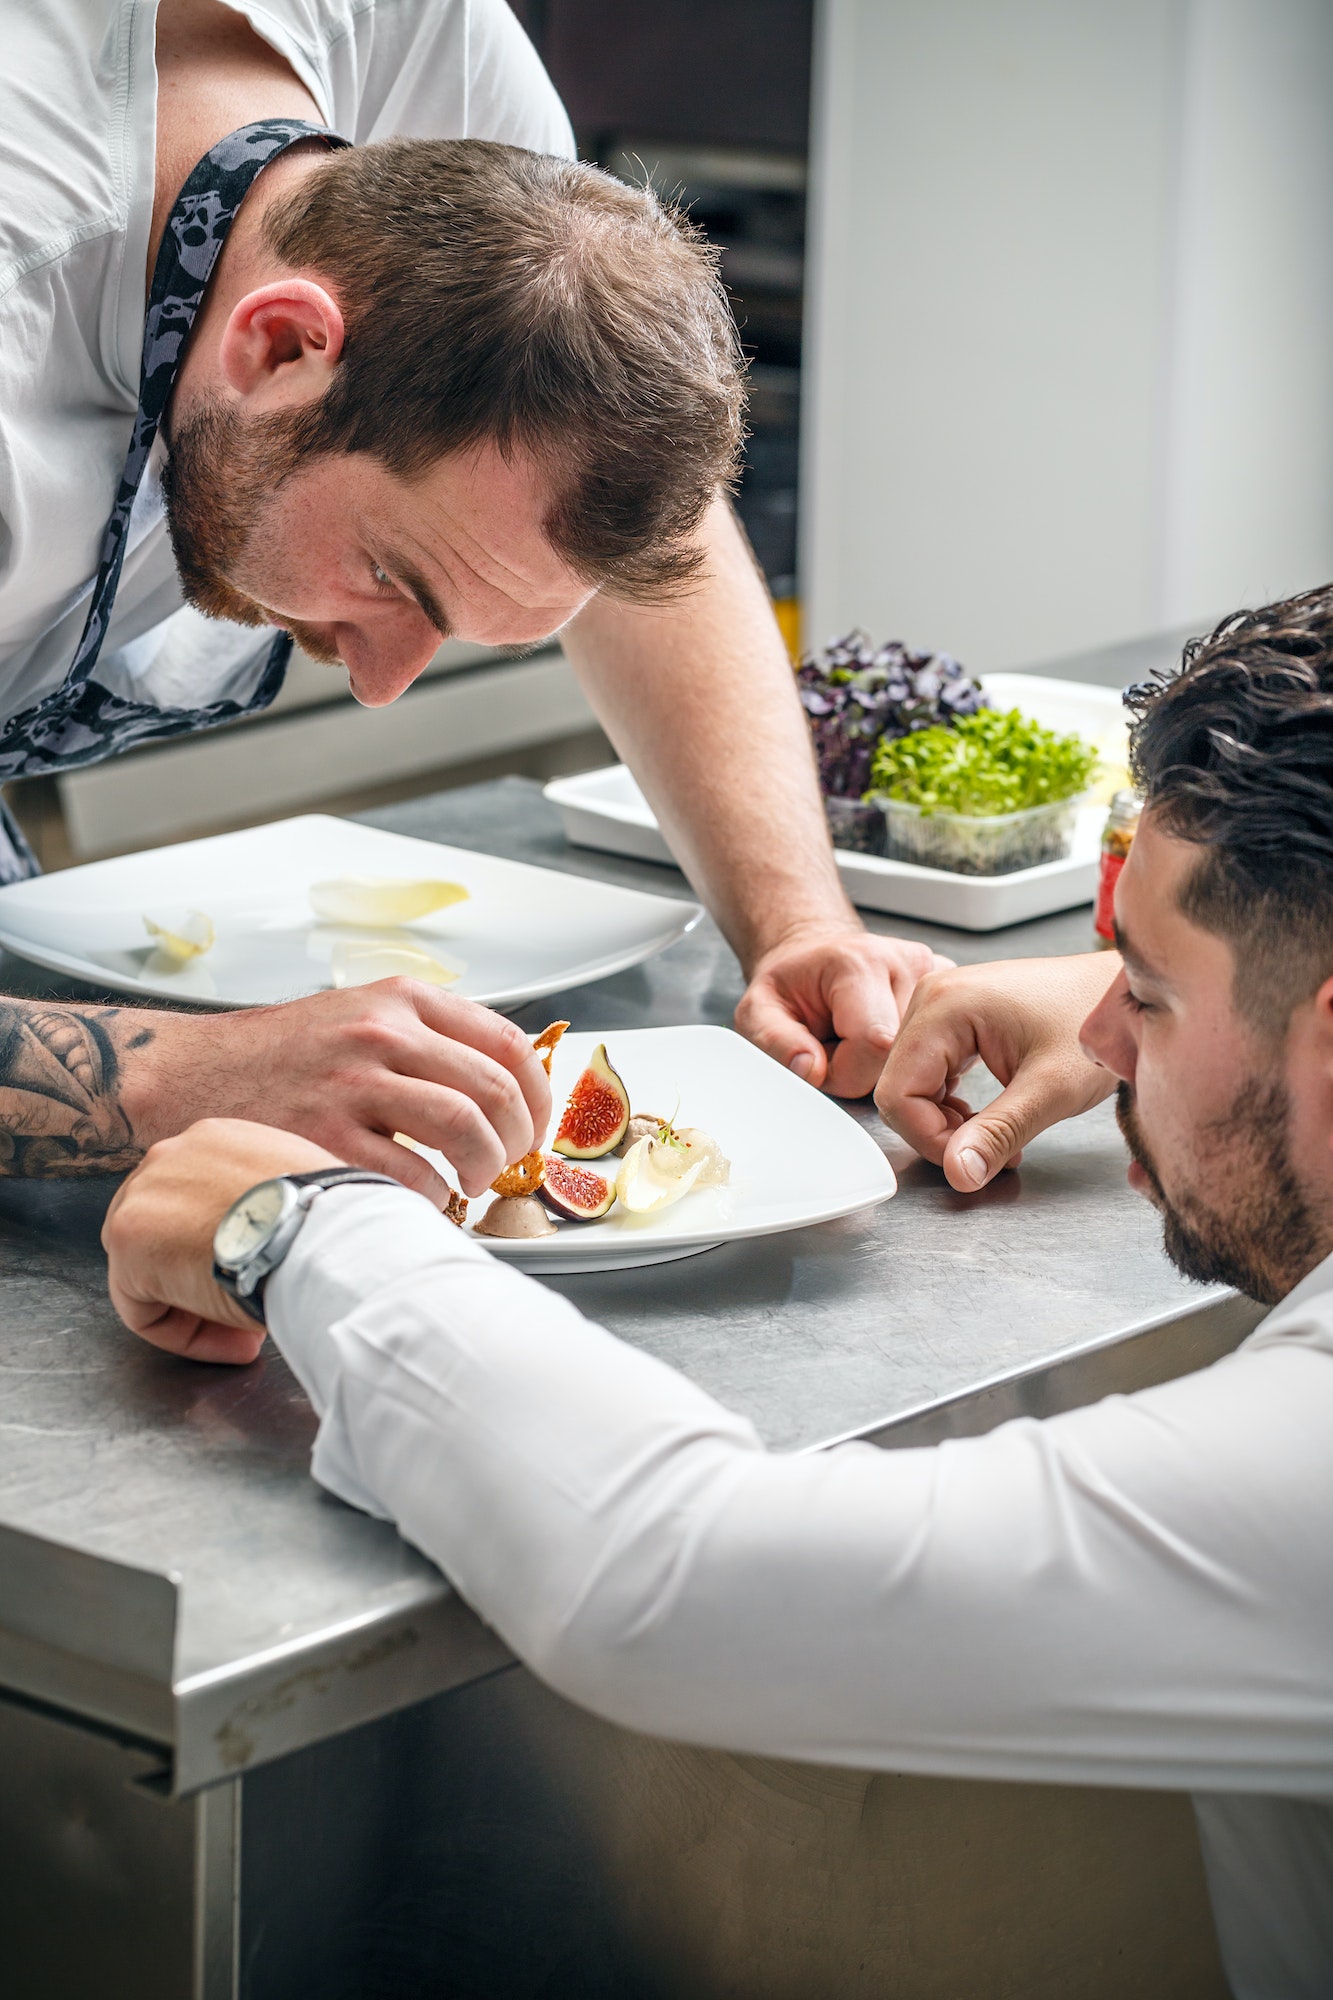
(356, 1242)
(793, 933)
(152, 1093)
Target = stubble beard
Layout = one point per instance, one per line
(1269, 1236)
(221, 469)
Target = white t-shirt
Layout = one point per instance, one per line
(78, 122)
(1136, 1593)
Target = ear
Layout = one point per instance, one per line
(1323, 1009)
(281, 344)
(1312, 1062)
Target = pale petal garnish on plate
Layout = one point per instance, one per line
(357, 964)
(654, 1173)
(179, 937)
(381, 901)
(703, 1147)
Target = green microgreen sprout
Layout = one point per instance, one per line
(994, 762)
(666, 1131)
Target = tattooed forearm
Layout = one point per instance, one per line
(60, 1110)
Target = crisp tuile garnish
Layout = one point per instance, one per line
(524, 1177)
(546, 1042)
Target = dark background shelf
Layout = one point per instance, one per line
(710, 99)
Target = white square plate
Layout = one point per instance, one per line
(796, 1156)
(606, 809)
(524, 932)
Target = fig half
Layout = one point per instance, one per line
(578, 1193)
(596, 1114)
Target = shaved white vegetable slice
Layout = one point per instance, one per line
(356, 964)
(381, 901)
(649, 1179)
(715, 1167)
(183, 935)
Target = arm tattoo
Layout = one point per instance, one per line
(60, 1107)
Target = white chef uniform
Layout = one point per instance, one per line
(1137, 1593)
(78, 118)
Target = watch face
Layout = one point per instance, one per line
(249, 1223)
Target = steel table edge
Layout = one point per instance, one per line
(1176, 1342)
(87, 1691)
(262, 1706)
(213, 1725)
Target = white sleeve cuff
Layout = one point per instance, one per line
(355, 1241)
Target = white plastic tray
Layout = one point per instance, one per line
(606, 809)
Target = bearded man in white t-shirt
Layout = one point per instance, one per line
(434, 386)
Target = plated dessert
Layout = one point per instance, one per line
(793, 1157)
(657, 1161)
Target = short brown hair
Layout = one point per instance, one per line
(491, 294)
(1235, 753)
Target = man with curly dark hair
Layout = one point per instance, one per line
(1136, 1593)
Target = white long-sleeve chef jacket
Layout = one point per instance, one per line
(1136, 1593)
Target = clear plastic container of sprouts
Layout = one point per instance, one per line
(856, 825)
(977, 843)
(993, 793)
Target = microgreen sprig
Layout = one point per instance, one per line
(996, 761)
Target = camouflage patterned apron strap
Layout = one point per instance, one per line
(81, 722)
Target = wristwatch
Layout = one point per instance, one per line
(259, 1229)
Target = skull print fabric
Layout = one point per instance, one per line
(82, 722)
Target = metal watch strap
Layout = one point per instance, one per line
(317, 1179)
(327, 1177)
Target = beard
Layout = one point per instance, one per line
(1269, 1235)
(221, 470)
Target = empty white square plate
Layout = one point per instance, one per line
(523, 932)
(796, 1157)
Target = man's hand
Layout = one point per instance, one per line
(158, 1234)
(348, 1070)
(1020, 1017)
(699, 698)
(827, 1003)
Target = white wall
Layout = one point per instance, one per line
(1070, 369)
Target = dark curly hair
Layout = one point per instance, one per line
(1235, 754)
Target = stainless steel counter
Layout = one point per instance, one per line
(168, 1567)
(171, 1577)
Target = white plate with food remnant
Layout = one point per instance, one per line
(521, 931)
(797, 1157)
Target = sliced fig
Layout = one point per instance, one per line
(596, 1114)
(578, 1193)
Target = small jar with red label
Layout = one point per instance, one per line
(1117, 839)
